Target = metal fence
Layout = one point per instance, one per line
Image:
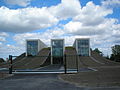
(69, 64)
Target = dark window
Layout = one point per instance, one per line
(83, 47)
(57, 47)
(32, 47)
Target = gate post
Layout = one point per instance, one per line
(77, 63)
(65, 66)
(10, 65)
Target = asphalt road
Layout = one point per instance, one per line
(35, 82)
(41, 82)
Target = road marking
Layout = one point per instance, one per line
(42, 72)
(96, 60)
(92, 69)
(35, 72)
(3, 69)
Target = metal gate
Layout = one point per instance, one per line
(31, 65)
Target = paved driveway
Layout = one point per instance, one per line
(51, 67)
(40, 82)
(35, 82)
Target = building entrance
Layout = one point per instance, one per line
(57, 51)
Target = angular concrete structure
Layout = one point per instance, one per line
(57, 51)
(33, 46)
(82, 46)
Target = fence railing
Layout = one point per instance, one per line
(70, 62)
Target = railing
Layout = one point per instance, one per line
(70, 62)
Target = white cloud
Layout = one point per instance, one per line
(111, 3)
(0, 44)
(3, 36)
(77, 28)
(69, 40)
(6, 50)
(92, 14)
(2, 39)
(46, 36)
(24, 20)
(23, 3)
(91, 21)
(32, 18)
(116, 34)
(66, 9)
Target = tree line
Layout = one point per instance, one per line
(115, 56)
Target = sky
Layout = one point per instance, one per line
(98, 20)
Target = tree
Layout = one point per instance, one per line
(115, 53)
(112, 57)
(116, 50)
(107, 57)
(98, 51)
(1, 60)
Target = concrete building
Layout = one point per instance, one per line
(33, 46)
(57, 51)
(82, 46)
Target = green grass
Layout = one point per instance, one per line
(69, 47)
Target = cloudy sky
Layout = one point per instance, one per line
(68, 19)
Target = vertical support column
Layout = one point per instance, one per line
(26, 48)
(77, 62)
(76, 46)
(10, 66)
(51, 59)
(65, 64)
(89, 48)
